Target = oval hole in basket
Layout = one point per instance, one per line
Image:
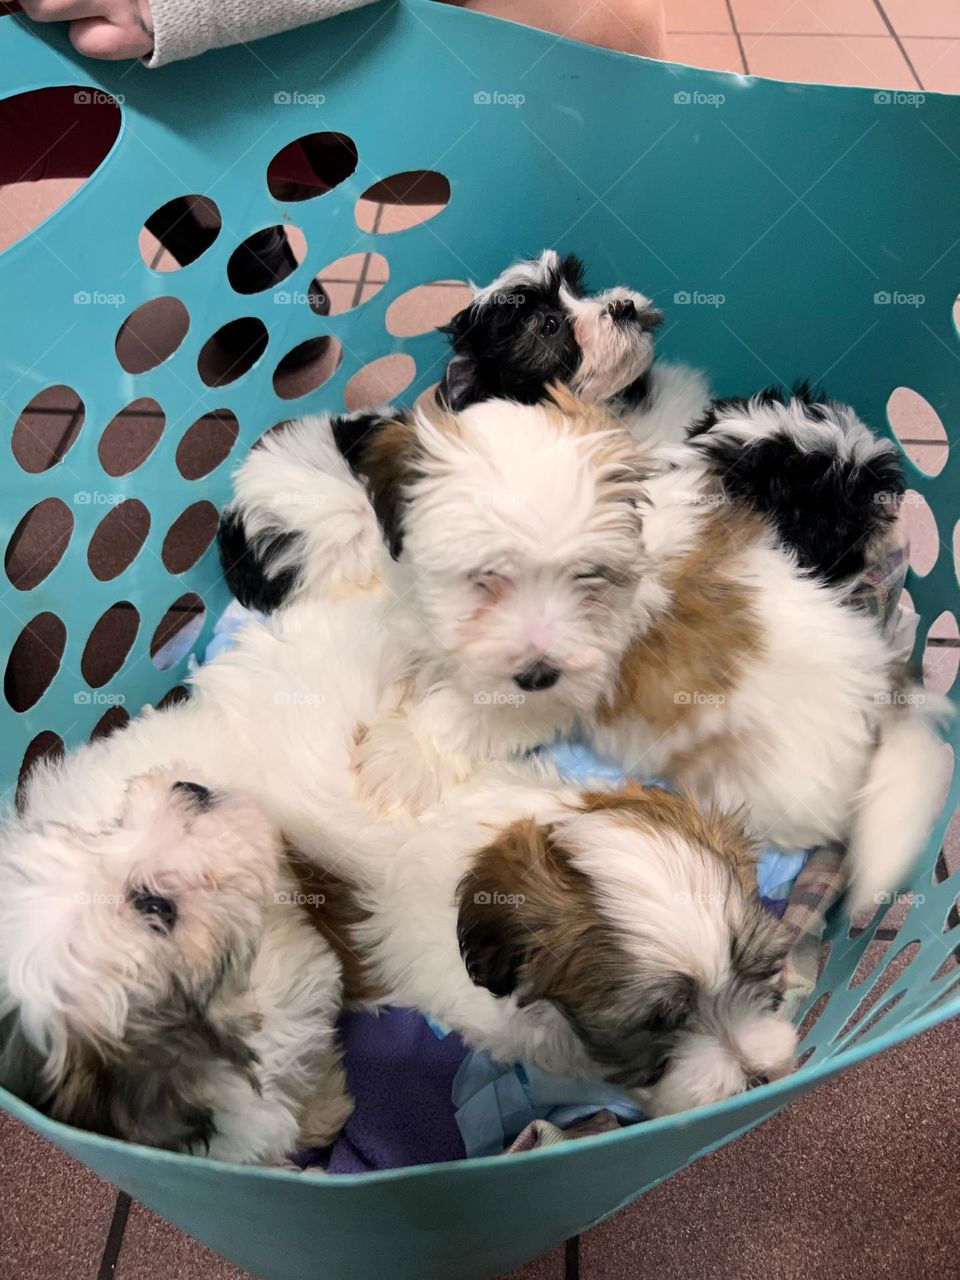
(893, 970)
(311, 166)
(108, 644)
(81, 122)
(812, 1016)
(117, 539)
(917, 522)
(878, 1016)
(941, 655)
(917, 426)
(129, 438)
(151, 334)
(402, 200)
(189, 536)
(307, 367)
(34, 661)
(113, 719)
(47, 745)
(177, 631)
(952, 957)
(173, 697)
(207, 443)
(232, 351)
(948, 859)
(179, 232)
(379, 381)
(427, 400)
(352, 280)
(265, 259)
(427, 307)
(885, 932)
(37, 544)
(46, 428)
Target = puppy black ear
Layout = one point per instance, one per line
(460, 385)
(381, 451)
(497, 919)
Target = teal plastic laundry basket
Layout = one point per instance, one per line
(787, 230)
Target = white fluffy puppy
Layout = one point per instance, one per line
(547, 583)
(157, 984)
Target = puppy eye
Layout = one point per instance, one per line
(550, 325)
(160, 913)
(488, 581)
(600, 576)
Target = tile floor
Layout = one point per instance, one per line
(880, 1141)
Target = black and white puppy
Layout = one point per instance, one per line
(831, 487)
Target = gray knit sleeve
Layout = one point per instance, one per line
(184, 28)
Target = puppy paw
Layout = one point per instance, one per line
(397, 774)
(327, 1110)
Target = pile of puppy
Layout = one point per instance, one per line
(577, 542)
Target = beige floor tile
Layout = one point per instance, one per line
(717, 52)
(427, 307)
(850, 17)
(26, 204)
(924, 17)
(937, 63)
(857, 60)
(698, 15)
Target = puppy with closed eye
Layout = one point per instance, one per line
(610, 935)
(584, 592)
(159, 982)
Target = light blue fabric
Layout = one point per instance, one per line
(495, 1103)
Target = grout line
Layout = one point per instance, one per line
(571, 1258)
(890, 27)
(361, 282)
(736, 32)
(114, 1241)
(942, 642)
(800, 35)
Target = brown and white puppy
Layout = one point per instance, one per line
(160, 983)
(599, 935)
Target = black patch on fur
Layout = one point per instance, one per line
(201, 795)
(494, 944)
(359, 439)
(244, 565)
(501, 348)
(825, 508)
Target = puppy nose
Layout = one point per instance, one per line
(622, 309)
(541, 675)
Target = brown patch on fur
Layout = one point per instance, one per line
(584, 417)
(388, 464)
(704, 637)
(524, 911)
(657, 810)
(334, 910)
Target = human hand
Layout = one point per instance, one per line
(110, 29)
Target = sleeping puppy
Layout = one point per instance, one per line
(829, 487)
(158, 982)
(612, 935)
(584, 593)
